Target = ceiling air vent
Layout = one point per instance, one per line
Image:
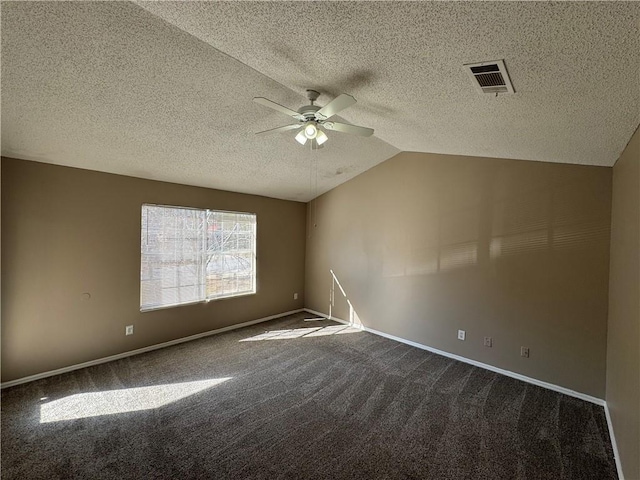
(490, 77)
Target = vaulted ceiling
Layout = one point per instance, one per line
(163, 90)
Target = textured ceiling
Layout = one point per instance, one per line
(164, 91)
(108, 86)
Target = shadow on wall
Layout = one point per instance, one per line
(493, 223)
(520, 246)
(354, 319)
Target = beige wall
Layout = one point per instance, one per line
(623, 352)
(424, 245)
(68, 231)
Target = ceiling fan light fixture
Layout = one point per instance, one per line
(301, 137)
(310, 130)
(321, 137)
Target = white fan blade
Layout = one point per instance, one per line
(346, 128)
(276, 106)
(334, 106)
(279, 129)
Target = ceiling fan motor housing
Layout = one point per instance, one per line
(309, 112)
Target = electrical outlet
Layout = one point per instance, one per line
(524, 352)
(295, 296)
(128, 330)
(488, 342)
(461, 334)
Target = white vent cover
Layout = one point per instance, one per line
(490, 77)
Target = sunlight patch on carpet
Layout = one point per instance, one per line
(303, 332)
(93, 404)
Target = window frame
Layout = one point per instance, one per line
(206, 299)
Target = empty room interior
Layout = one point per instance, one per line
(320, 240)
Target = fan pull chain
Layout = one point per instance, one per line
(315, 202)
(313, 186)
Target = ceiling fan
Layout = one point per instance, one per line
(311, 117)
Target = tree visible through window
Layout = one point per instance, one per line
(190, 255)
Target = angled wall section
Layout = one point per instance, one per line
(424, 245)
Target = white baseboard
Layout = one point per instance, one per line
(534, 381)
(118, 356)
(614, 444)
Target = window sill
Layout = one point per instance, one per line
(208, 300)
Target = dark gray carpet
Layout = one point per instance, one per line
(346, 405)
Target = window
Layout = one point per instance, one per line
(190, 255)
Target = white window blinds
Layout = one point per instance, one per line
(190, 255)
